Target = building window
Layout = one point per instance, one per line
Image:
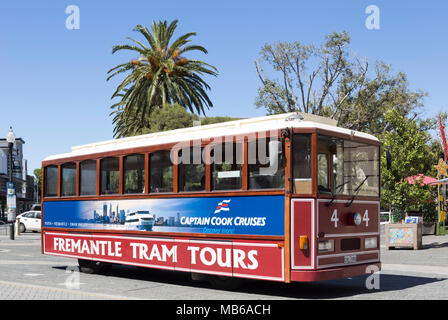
(191, 169)
(51, 181)
(266, 165)
(161, 172)
(110, 175)
(134, 173)
(68, 179)
(87, 178)
(226, 159)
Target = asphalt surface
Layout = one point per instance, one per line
(26, 274)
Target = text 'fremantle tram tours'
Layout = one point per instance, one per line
(288, 197)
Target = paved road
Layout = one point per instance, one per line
(26, 274)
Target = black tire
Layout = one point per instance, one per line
(226, 283)
(22, 228)
(92, 267)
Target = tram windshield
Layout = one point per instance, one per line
(347, 167)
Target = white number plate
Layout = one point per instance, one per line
(349, 259)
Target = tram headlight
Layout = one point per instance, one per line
(371, 243)
(357, 219)
(326, 245)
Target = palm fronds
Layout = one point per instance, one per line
(160, 75)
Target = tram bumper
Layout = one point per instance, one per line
(335, 273)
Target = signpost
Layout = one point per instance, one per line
(442, 169)
(11, 203)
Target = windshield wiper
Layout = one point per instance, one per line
(348, 204)
(334, 194)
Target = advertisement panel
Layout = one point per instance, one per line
(246, 215)
(241, 258)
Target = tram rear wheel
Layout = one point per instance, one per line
(92, 267)
(226, 283)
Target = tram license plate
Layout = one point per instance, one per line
(349, 259)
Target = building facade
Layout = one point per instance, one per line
(26, 191)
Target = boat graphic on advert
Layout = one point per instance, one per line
(139, 220)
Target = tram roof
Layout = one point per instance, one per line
(229, 128)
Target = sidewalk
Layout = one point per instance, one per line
(432, 259)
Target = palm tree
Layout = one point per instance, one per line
(160, 76)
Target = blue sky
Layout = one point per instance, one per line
(53, 88)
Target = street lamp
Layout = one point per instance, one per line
(11, 138)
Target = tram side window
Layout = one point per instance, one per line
(301, 158)
(191, 169)
(266, 165)
(161, 172)
(51, 181)
(109, 175)
(323, 174)
(87, 178)
(227, 162)
(134, 173)
(68, 179)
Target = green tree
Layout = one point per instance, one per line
(171, 117)
(331, 81)
(38, 178)
(410, 147)
(160, 75)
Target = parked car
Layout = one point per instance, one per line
(35, 207)
(30, 221)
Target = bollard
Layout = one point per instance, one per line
(17, 227)
(11, 231)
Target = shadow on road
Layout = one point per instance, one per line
(332, 289)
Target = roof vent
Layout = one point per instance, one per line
(293, 117)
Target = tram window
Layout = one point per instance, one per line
(161, 172)
(109, 175)
(51, 181)
(134, 173)
(266, 165)
(68, 179)
(323, 174)
(301, 157)
(226, 166)
(87, 178)
(191, 169)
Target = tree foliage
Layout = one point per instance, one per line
(160, 75)
(171, 117)
(329, 80)
(413, 152)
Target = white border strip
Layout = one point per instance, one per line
(312, 240)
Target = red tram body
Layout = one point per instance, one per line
(315, 217)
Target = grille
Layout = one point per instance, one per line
(350, 244)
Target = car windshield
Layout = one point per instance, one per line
(347, 167)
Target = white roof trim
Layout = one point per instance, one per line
(238, 127)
